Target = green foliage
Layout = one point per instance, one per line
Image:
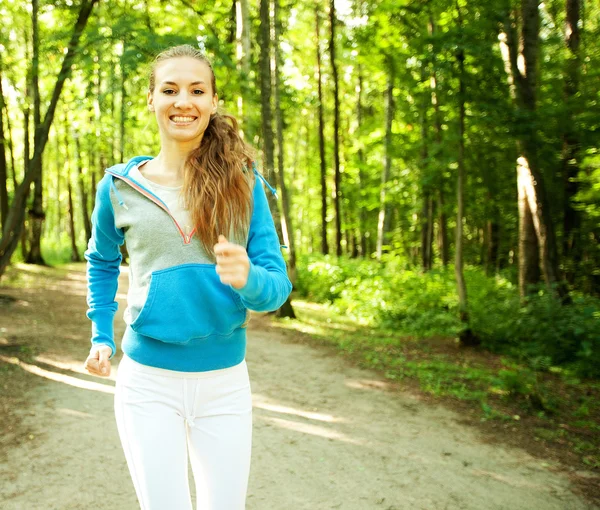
(542, 333)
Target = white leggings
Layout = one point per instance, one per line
(161, 414)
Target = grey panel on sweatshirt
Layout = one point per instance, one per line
(153, 242)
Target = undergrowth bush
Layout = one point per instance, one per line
(541, 333)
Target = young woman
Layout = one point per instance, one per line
(203, 252)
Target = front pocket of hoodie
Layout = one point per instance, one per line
(186, 302)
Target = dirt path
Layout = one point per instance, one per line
(326, 436)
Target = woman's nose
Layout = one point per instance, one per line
(183, 101)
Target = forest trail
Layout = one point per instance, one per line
(326, 435)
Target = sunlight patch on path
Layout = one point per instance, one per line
(367, 384)
(66, 379)
(313, 430)
(261, 402)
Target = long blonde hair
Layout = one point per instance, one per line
(218, 178)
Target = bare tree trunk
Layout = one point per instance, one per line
(267, 121)
(83, 197)
(98, 108)
(285, 200)
(123, 106)
(36, 214)
(337, 191)
(362, 178)
(526, 89)
(383, 224)
(492, 230)
(11, 149)
(324, 243)
(59, 171)
(572, 246)
(443, 232)
(529, 259)
(466, 336)
(493, 234)
(14, 224)
(435, 100)
(242, 16)
(3, 169)
(426, 209)
(429, 233)
(26, 149)
(71, 215)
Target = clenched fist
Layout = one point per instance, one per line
(233, 264)
(97, 362)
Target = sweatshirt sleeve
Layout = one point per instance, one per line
(103, 261)
(268, 285)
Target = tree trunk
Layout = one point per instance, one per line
(71, 215)
(267, 122)
(242, 36)
(383, 224)
(26, 154)
(492, 230)
(98, 108)
(36, 214)
(11, 150)
(288, 235)
(3, 169)
(426, 209)
(83, 197)
(572, 246)
(435, 100)
(123, 106)
(526, 90)
(493, 234)
(362, 178)
(60, 165)
(324, 242)
(337, 188)
(529, 252)
(70, 211)
(466, 336)
(429, 243)
(14, 224)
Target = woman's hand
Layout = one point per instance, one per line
(233, 264)
(97, 362)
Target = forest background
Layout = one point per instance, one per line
(437, 163)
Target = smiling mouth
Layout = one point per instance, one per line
(182, 119)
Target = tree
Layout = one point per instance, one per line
(281, 177)
(14, 223)
(530, 171)
(286, 309)
(337, 188)
(3, 170)
(466, 336)
(323, 164)
(36, 212)
(383, 225)
(571, 150)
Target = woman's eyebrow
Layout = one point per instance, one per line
(193, 83)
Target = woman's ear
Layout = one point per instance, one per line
(150, 101)
(215, 103)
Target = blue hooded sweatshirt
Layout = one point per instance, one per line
(181, 316)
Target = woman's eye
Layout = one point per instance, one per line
(168, 91)
(198, 92)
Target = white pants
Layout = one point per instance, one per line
(162, 414)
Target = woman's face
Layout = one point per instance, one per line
(182, 99)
